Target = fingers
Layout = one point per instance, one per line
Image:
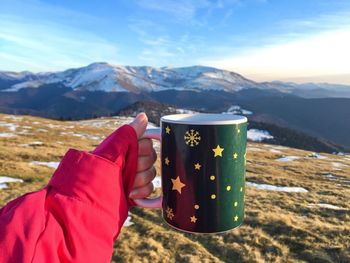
(139, 124)
(143, 178)
(145, 147)
(142, 192)
(145, 162)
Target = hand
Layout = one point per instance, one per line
(147, 156)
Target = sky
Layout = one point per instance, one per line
(299, 40)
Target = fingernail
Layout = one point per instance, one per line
(141, 117)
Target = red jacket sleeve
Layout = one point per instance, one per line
(78, 215)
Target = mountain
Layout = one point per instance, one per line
(110, 78)
(101, 89)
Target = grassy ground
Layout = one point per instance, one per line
(278, 227)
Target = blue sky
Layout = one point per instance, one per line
(300, 40)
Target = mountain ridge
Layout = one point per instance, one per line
(117, 78)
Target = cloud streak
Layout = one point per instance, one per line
(36, 43)
(320, 51)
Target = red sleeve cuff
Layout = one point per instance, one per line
(103, 178)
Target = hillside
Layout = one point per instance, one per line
(297, 207)
(281, 135)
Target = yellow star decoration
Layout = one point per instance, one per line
(197, 166)
(235, 204)
(212, 177)
(235, 155)
(218, 151)
(213, 196)
(196, 207)
(167, 129)
(228, 188)
(193, 219)
(166, 160)
(236, 218)
(169, 213)
(177, 184)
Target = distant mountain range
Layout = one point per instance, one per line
(109, 78)
(100, 89)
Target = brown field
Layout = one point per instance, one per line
(279, 226)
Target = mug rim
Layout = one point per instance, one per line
(204, 119)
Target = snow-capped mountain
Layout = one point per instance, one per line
(101, 89)
(110, 78)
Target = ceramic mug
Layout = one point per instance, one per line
(203, 158)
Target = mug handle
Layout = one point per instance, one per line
(151, 133)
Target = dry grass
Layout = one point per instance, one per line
(279, 226)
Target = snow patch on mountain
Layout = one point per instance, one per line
(110, 78)
(236, 109)
(288, 158)
(258, 135)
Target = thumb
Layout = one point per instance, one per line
(139, 124)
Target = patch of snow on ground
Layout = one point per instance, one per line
(35, 143)
(288, 158)
(278, 147)
(258, 135)
(13, 117)
(157, 182)
(24, 132)
(11, 126)
(275, 151)
(328, 175)
(52, 165)
(4, 134)
(52, 126)
(329, 206)
(246, 112)
(184, 111)
(338, 165)
(235, 109)
(317, 156)
(128, 221)
(107, 123)
(269, 187)
(4, 180)
(254, 149)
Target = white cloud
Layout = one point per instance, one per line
(182, 10)
(314, 49)
(49, 46)
(39, 36)
(325, 53)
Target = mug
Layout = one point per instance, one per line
(203, 158)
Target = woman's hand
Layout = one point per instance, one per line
(147, 156)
